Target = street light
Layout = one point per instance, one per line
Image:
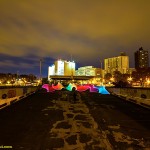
(112, 79)
(129, 79)
(148, 82)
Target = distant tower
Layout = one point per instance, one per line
(141, 59)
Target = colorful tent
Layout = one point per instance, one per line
(102, 90)
(70, 86)
(80, 88)
(48, 88)
(59, 86)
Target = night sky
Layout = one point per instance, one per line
(89, 30)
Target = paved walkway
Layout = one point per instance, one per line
(52, 121)
(78, 130)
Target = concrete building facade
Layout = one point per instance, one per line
(89, 71)
(62, 68)
(120, 63)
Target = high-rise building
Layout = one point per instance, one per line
(141, 59)
(62, 67)
(120, 63)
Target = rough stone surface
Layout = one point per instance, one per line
(71, 140)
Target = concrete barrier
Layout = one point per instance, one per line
(9, 96)
(132, 92)
(140, 96)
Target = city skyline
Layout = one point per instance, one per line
(90, 31)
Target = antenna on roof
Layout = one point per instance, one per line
(41, 60)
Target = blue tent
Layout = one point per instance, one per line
(102, 90)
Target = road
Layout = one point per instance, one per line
(45, 121)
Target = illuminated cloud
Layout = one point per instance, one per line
(90, 30)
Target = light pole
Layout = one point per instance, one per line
(101, 64)
(17, 77)
(101, 72)
(41, 70)
(130, 80)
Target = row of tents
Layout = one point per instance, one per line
(79, 88)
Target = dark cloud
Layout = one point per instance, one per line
(26, 64)
(88, 30)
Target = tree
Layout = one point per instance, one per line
(32, 77)
(141, 74)
(45, 81)
(122, 84)
(118, 76)
(107, 76)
